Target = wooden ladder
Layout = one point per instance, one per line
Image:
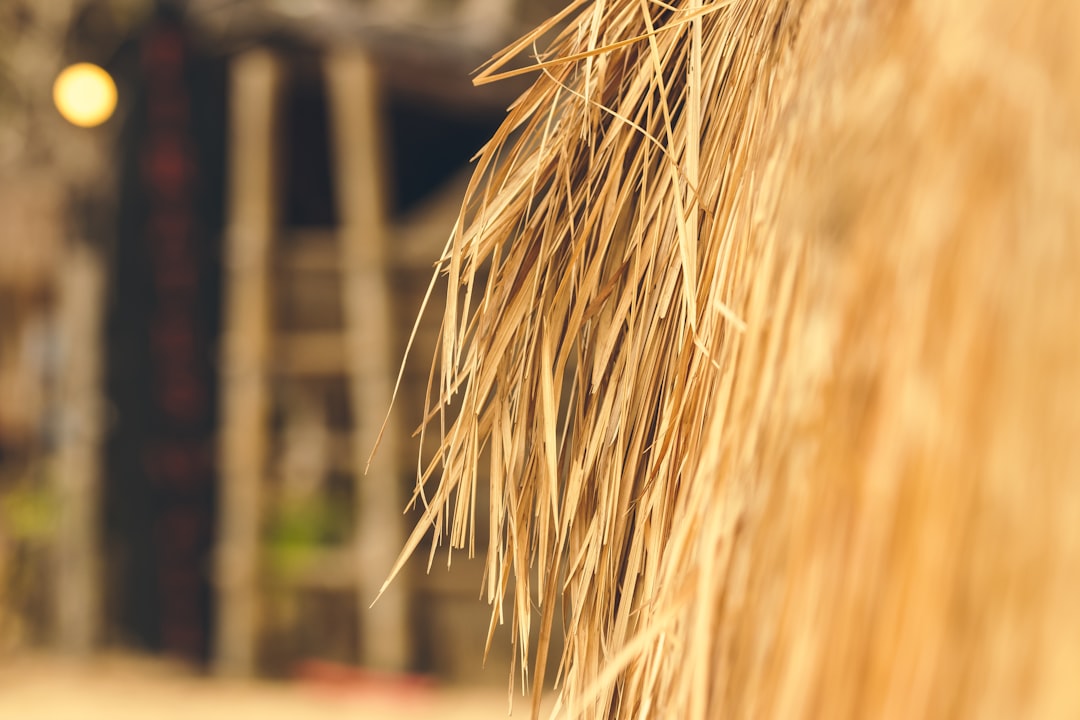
(258, 358)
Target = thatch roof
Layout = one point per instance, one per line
(423, 48)
(472, 28)
(775, 367)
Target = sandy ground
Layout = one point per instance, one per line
(111, 688)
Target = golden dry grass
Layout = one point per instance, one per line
(775, 365)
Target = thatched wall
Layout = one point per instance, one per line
(777, 366)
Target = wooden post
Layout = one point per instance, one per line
(249, 238)
(78, 470)
(354, 108)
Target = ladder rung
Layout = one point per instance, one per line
(464, 578)
(332, 568)
(311, 353)
(319, 251)
(314, 251)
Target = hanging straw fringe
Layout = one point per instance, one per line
(761, 322)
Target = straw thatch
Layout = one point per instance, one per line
(763, 323)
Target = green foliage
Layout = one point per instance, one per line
(298, 531)
(28, 513)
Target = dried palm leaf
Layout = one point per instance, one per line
(762, 323)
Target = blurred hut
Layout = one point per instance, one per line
(200, 390)
(349, 127)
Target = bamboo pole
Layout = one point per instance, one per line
(249, 238)
(384, 634)
(78, 475)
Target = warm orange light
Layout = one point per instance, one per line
(85, 95)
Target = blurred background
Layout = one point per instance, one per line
(218, 220)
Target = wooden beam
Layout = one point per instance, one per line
(311, 353)
(354, 111)
(79, 403)
(252, 221)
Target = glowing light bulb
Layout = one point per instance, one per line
(85, 95)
